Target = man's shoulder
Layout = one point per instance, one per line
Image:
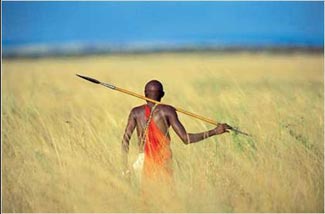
(137, 109)
(167, 108)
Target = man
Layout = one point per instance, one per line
(152, 123)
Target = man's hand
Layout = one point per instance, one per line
(222, 128)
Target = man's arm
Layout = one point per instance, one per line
(126, 140)
(188, 138)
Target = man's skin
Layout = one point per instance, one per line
(164, 116)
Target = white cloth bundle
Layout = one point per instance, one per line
(138, 166)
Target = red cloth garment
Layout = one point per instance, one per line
(157, 182)
(158, 155)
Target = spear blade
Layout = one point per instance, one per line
(89, 79)
(97, 81)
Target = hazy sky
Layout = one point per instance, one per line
(175, 22)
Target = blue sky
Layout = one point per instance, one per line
(246, 23)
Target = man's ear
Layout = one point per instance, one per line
(162, 94)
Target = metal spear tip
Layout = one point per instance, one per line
(237, 131)
(89, 79)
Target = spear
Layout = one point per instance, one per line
(113, 87)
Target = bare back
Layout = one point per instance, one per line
(160, 115)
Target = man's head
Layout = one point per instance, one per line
(154, 90)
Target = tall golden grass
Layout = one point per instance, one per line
(61, 135)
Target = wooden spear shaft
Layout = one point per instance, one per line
(113, 87)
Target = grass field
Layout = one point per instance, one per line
(61, 135)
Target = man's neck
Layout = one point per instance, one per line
(151, 104)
